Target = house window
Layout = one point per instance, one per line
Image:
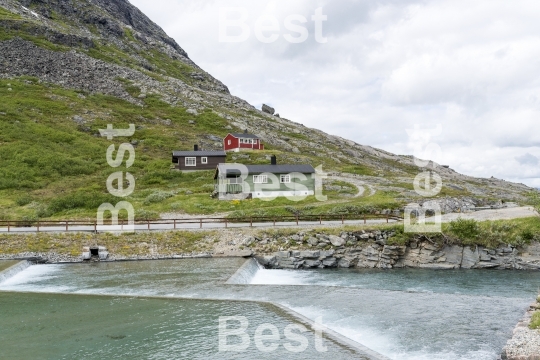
(204, 160)
(191, 161)
(285, 179)
(228, 142)
(260, 179)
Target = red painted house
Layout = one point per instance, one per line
(243, 141)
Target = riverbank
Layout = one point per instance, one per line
(525, 341)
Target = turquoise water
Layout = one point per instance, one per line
(54, 326)
(403, 314)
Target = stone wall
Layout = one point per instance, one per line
(371, 250)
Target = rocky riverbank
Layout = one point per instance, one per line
(525, 342)
(370, 249)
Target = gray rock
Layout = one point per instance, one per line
(330, 262)
(79, 119)
(312, 263)
(310, 254)
(313, 241)
(470, 258)
(344, 263)
(336, 240)
(267, 109)
(283, 254)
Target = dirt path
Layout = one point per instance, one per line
(361, 185)
(496, 214)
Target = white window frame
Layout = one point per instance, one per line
(260, 179)
(204, 160)
(285, 179)
(228, 142)
(192, 161)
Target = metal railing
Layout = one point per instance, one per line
(173, 224)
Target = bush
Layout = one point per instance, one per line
(146, 215)
(465, 229)
(81, 200)
(158, 196)
(23, 200)
(535, 321)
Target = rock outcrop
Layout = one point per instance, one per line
(372, 250)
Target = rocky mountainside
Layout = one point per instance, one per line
(95, 47)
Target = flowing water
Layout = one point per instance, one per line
(403, 314)
(4, 264)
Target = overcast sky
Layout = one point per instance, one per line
(386, 66)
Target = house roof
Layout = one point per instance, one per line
(199, 153)
(245, 136)
(235, 169)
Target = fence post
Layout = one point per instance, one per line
(200, 222)
(365, 219)
(95, 227)
(274, 221)
(174, 224)
(296, 220)
(38, 226)
(67, 222)
(386, 218)
(251, 222)
(225, 223)
(8, 226)
(320, 219)
(148, 221)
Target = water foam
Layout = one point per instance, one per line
(29, 279)
(246, 272)
(13, 270)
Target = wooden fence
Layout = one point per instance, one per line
(173, 224)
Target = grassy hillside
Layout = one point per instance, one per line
(52, 166)
(52, 159)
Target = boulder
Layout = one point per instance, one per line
(336, 240)
(310, 254)
(470, 258)
(330, 262)
(267, 109)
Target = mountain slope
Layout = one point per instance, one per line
(69, 68)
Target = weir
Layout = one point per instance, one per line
(13, 270)
(245, 273)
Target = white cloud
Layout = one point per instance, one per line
(389, 64)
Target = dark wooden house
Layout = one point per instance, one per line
(197, 159)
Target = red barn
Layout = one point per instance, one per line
(243, 141)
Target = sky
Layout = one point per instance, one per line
(467, 73)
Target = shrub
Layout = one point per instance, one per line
(81, 200)
(158, 196)
(535, 321)
(465, 229)
(23, 200)
(146, 215)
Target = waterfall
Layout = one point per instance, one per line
(13, 270)
(245, 273)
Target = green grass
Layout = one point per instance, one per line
(489, 234)
(176, 242)
(6, 14)
(535, 321)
